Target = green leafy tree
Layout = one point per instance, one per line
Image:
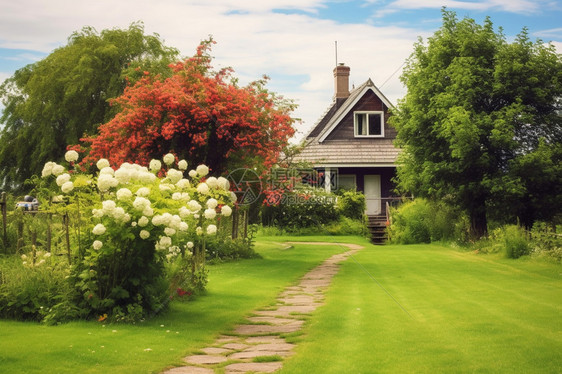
(55, 101)
(476, 111)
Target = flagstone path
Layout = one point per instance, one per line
(260, 339)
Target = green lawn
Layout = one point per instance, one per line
(234, 290)
(391, 309)
(431, 309)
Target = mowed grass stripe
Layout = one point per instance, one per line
(471, 313)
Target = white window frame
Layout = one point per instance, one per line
(366, 113)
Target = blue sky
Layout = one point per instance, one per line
(292, 41)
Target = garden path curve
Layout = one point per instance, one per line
(257, 346)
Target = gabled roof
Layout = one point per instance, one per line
(348, 152)
(349, 103)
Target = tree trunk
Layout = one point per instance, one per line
(478, 220)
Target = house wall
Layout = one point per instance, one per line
(369, 101)
(386, 173)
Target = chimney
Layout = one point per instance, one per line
(341, 81)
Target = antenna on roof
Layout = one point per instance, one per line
(336, 42)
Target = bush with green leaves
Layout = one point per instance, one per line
(131, 222)
(423, 221)
(546, 241)
(300, 209)
(351, 204)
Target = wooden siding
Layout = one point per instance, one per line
(369, 102)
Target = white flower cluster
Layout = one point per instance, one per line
(40, 258)
(160, 209)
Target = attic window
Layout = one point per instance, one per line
(369, 124)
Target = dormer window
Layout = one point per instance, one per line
(369, 124)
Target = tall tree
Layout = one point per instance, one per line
(55, 101)
(198, 114)
(477, 106)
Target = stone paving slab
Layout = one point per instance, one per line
(245, 355)
(236, 346)
(285, 317)
(268, 329)
(190, 370)
(216, 351)
(205, 359)
(257, 367)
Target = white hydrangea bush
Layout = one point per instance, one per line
(172, 211)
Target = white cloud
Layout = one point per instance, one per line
(555, 33)
(296, 50)
(514, 6)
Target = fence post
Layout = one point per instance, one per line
(67, 236)
(49, 222)
(235, 217)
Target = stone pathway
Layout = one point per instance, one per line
(257, 346)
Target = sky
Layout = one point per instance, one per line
(291, 41)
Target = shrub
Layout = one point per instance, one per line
(546, 241)
(298, 209)
(36, 290)
(423, 221)
(351, 204)
(515, 241)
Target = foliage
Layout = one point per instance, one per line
(55, 101)
(351, 204)
(300, 209)
(546, 241)
(423, 221)
(479, 116)
(36, 288)
(131, 226)
(198, 114)
(342, 226)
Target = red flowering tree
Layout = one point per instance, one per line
(198, 114)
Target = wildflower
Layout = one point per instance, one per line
(123, 174)
(148, 211)
(67, 187)
(169, 231)
(165, 187)
(144, 234)
(97, 244)
(212, 203)
(189, 245)
(98, 213)
(23, 257)
(233, 197)
(211, 230)
(199, 230)
(99, 229)
(183, 226)
(165, 241)
(62, 179)
(155, 165)
(107, 170)
(124, 194)
(226, 210)
(102, 163)
(192, 173)
(202, 170)
(169, 159)
(210, 213)
(71, 156)
(203, 188)
(176, 196)
(182, 165)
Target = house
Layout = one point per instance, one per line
(352, 143)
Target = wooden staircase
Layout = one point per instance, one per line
(377, 228)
